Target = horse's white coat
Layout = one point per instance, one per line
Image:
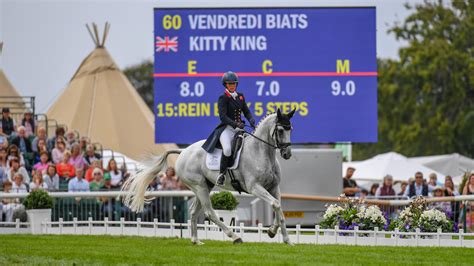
(258, 171)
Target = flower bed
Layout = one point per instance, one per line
(355, 213)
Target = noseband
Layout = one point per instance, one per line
(281, 145)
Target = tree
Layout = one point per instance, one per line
(426, 98)
(141, 77)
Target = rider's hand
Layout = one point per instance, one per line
(240, 125)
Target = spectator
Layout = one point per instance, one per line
(64, 168)
(52, 141)
(22, 141)
(350, 187)
(71, 138)
(18, 185)
(13, 152)
(95, 164)
(78, 184)
(403, 187)
(7, 124)
(114, 173)
(169, 181)
(418, 188)
(38, 183)
(15, 168)
(42, 165)
(107, 182)
(3, 141)
(433, 181)
(97, 182)
(364, 193)
(469, 186)
(10, 206)
(373, 189)
(181, 185)
(51, 178)
(3, 165)
(443, 206)
(58, 151)
(449, 190)
(83, 144)
(29, 123)
(91, 155)
(386, 190)
(77, 160)
(41, 147)
(41, 135)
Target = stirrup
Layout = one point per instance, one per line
(220, 179)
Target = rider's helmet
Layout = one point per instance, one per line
(229, 77)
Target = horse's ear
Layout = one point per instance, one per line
(279, 114)
(290, 114)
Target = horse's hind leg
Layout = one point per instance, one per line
(195, 209)
(203, 196)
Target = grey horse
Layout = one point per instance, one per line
(258, 172)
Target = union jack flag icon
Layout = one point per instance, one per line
(166, 44)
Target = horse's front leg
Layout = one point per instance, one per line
(264, 195)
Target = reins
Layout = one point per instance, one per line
(278, 146)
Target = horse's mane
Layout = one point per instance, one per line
(263, 120)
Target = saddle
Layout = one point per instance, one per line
(213, 159)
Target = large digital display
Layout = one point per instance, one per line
(319, 61)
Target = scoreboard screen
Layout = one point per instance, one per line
(319, 61)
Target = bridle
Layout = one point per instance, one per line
(279, 145)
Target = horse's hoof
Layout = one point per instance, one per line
(289, 243)
(238, 241)
(271, 234)
(198, 243)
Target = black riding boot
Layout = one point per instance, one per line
(224, 164)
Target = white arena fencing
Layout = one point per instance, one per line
(257, 234)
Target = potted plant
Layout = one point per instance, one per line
(225, 205)
(38, 206)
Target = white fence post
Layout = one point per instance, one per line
(90, 225)
(206, 224)
(155, 226)
(259, 231)
(189, 229)
(439, 237)
(106, 225)
(172, 228)
(336, 229)
(17, 225)
(139, 225)
(241, 230)
(122, 220)
(316, 232)
(356, 234)
(298, 228)
(74, 224)
(417, 235)
(61, 226)
(376, 231)
(396, 236)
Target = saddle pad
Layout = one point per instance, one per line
(213, 160)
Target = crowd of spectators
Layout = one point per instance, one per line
(29, 161)
(413, 187)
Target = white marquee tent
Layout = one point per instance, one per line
(395, 164)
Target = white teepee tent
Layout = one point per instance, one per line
(101, 103)
(6, 88)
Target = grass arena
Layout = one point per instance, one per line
(104, 250)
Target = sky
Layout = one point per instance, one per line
(46, 40)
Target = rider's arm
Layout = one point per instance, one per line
(222, 106)
(247, 112)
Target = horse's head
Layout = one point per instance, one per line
(282, 133)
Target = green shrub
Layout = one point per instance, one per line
(224, 200)
(38, 199)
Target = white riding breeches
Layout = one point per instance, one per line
(226, 140)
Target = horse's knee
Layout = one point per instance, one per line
(208, 214)
(276, 205)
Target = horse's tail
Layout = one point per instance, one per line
(137, 184)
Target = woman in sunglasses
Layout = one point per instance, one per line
(231, 104)
(58, 151)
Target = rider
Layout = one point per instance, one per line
(231, 104)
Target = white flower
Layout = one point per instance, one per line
(434, 215)
(332, 211)
(372, 213)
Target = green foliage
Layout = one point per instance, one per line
(463, 182)
(38, 199)
(224, 200)
(426, 98)
(141, 77)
